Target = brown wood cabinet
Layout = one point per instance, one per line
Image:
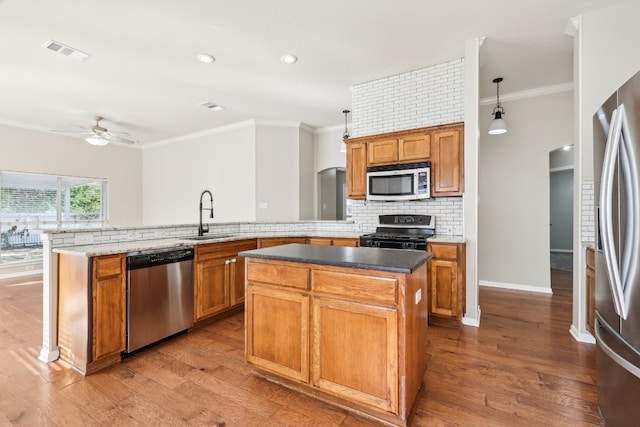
(443, 145)
(328, 241)
(409, 148)
(277, 241)
(447, 162)
(447, 283)
(590, 279)
(343, 334)
(219, 277)
(356, 170)
(92, 310)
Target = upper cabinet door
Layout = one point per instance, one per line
(382, 152)
(447, 155)
(356, 170)
(414, 148)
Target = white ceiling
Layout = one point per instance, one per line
(143, 76)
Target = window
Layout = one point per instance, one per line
(31, 202)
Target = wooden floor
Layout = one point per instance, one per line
(520, 368)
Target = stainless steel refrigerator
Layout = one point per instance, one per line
(616, 131)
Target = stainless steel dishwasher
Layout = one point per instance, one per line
(159, 295)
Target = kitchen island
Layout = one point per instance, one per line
(345, 325)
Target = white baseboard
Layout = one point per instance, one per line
(472, 321)
(515, 287)
(13, 274)
(586, 337)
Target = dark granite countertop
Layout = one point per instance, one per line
(393, 260)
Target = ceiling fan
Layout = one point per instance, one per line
(98, 135)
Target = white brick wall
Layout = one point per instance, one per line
(588, 231)
(425, 97)
(447, 210)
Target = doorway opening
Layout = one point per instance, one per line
(561, 218)
(332, 194)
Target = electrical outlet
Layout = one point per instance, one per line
(418, 296)
(263, 205)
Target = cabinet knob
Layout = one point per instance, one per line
(228, 261)
(234, 260)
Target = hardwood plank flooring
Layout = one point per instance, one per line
(520, 368)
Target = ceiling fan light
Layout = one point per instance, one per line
(498, 126)
(96, 140)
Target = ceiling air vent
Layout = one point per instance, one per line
(65, 50)
(212, 106)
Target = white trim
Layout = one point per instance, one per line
(472, 321)
(328, 129)
(226, 128)
(516, 287)
(586, 337)
(20, 274)
(561, 169)
(529, 93)
(566, 251)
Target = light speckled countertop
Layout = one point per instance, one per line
(142, 245)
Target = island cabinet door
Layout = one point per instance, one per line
(355, 352)
(277, 327)
(109, 302)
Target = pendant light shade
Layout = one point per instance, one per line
(498, 126)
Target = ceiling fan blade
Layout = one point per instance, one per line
(121, 139)
(73, 132)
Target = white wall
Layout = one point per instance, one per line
(513, 214)
(277, 173)
(25, 150)
(307, 175)
(609, 57)
(176, 173)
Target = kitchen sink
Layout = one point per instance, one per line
(209, 237)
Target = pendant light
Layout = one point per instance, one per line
(345, 135)
(498, 126)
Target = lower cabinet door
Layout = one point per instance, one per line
(212, 287)
(277, 325)
(443, 284)
(355, 352)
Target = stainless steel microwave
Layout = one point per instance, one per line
(406, 181)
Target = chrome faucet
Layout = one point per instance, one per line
(205, 229)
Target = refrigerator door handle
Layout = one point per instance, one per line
(624, 363)
(631, 233)
(606, 214)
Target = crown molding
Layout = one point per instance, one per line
(529, 93)
(328, 129)
(220, 129)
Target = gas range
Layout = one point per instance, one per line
(401, 232)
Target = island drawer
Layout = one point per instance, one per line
(443, 251)
(282, 275)
(107, 266)
(357, 287)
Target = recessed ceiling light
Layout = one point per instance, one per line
(207, 59)
(289, 58)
